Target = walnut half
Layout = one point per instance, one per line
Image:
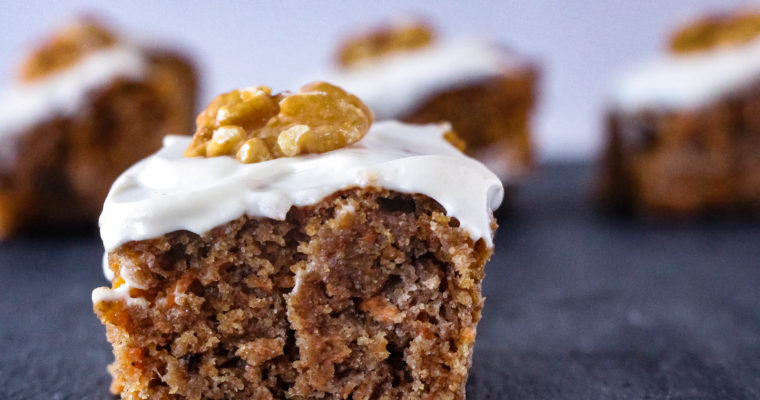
(397, 37)
(717, 30)
(65, 47)
(254, 125)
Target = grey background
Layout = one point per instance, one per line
(581, 44)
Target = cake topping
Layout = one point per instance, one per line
(64, 93)
(395, 85)
(58, 79)
(168, 192)
(385, 40)
(717, 30)
(253, 125)
(66, 47)
(690, 80)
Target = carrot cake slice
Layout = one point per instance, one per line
(86, 106)
(487, 92)
(684, 129)
(292, 249)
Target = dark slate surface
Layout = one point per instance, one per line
(580, 306)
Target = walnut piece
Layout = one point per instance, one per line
(64, 48)
(254, 125)
(455, 140)
(717, 30)
(383, 41)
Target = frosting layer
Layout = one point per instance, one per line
(65, 92)
(395, 85)
(682, 81)
(167, 192)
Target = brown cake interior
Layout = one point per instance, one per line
(686, 162)
(369, 294)
(493, 117)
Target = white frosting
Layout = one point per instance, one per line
(63, 93)
(107, 272)
(121, 293)
(395, 85)
(683, 81)
(167, 192)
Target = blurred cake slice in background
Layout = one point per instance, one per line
(85, 106)
(684, 129)
(403, 71)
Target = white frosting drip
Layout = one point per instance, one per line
(121, 293)
(63, 93)
(395, 85)
(167, 192)
(106, 294)
(688, 80)
(107, 272)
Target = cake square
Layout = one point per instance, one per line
(352, 271)
(87, 104)
(683, 134)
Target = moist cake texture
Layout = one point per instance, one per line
(353, 273)
(87, 105)
(683, 132)
(370, 294)
(487, 93)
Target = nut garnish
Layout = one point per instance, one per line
(455, 140)
(253, 125)
(385, 40)
(66, 47)
(716, 31)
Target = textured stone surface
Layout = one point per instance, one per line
(580, 306)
